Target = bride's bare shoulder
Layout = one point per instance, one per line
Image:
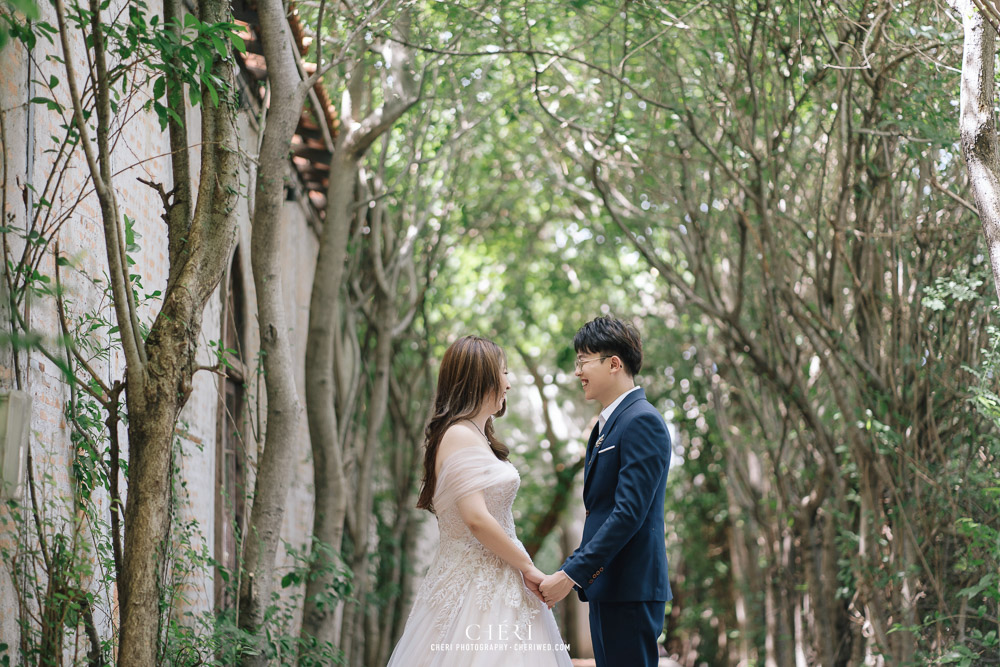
(459, 436)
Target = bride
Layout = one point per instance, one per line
(479, 604)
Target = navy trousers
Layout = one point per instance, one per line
(625, 633)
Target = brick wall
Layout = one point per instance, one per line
(138, 153)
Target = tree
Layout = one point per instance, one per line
(332, 362)
(789, 208)
(977, 122)
(288, 89)
(158, 366)
(802, 215)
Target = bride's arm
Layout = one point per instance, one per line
(489, 533)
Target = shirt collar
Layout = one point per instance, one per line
(608, 411)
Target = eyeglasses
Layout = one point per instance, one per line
(581, 362)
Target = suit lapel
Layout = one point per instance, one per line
(623, 406)
(588, 461)
(590, 448)
(593, 445)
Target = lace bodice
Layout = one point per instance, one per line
(462, 561)
(499, 501)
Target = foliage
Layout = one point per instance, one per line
(775, 196)
(68, 559)
(980, 562)
(214, 636)
(9, 11)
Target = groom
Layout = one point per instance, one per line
(620, 567)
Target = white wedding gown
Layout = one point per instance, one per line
(473, 609)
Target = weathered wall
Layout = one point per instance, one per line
(299, 247)
(139, 153)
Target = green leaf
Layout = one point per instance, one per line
(974, 590)
(26, 7)
(173, 115)
(159, 87)
(207, 81)
(238, 42)
(161, 114)
(934, 303)
(220, 46)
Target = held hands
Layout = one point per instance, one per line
(555, 587)
(532, 578)
(551, 588)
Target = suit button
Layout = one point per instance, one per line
(587, 513)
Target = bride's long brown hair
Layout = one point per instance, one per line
(470, 374)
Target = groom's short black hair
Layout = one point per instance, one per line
(612, 337)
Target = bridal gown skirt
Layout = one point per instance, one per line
(482, 633)
(473, 609)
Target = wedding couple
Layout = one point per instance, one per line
(483, 601)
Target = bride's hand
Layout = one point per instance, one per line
(532, 578)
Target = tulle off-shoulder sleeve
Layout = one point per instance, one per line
(468, 470)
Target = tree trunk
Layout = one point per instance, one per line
(156, 393)
(325, 314)
(354, 615)
(405, 532)
(742, 652)
(159, 373)
(977, 124)
(407, 439)
(823, 617)
(570, 609)
(328, 465)
(154, 402)
(284, 409)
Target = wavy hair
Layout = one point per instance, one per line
(470, 373)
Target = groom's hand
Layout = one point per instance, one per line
(555, 587)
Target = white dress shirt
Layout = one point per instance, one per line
(608, 411)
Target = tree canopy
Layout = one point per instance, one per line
(775, 193)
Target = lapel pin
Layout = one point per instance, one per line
(597, 445)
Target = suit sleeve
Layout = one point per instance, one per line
(643, 461)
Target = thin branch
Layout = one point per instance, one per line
(80, 122)
(397, 102)
(319, 31)
(604, 188)
(114, 467)
(963, 202)
(74, 350)
(217, 369)
(536, 52)
(342, 56)
(124, 306)
(992, 16)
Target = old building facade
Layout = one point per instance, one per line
(222, 424)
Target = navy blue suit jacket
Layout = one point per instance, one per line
(622, 556)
